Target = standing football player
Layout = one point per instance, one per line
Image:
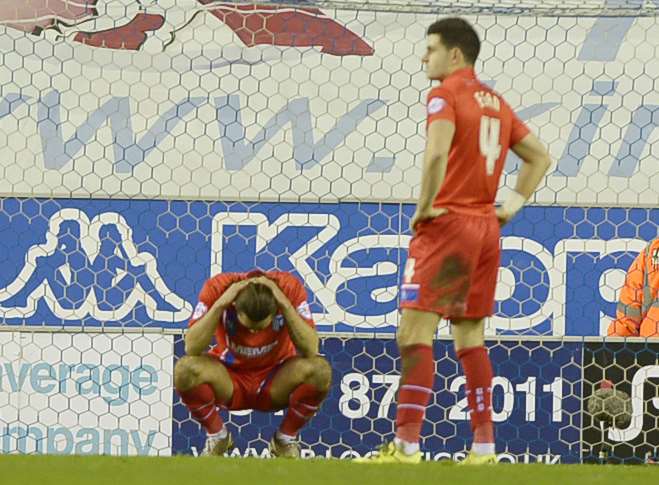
(265, 357)
(453, 260)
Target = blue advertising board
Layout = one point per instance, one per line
(536, 404)
(142, 263)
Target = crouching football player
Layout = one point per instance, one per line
(265, 357)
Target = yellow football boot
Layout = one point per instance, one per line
(390, 453)
(476, 459)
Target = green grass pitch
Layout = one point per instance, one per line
(95, 470)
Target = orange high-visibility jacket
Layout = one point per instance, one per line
(637, 314)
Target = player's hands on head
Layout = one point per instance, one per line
(426, 215)
(231, 293)
(274, 287)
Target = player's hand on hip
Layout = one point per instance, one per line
(426, 215)
(503, 216)
(231, 293)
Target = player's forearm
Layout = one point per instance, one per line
(432, 178)
(304, 337)
(199, 336)
(530, 176)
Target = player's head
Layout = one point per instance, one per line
(256, 306)
(452, 44)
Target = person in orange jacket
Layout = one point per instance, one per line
(637, 314)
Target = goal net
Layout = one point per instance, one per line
(147, 145)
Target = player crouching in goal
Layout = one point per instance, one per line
(453, 259)
(265, 357)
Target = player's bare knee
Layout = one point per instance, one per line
(186, 373)
(407, 331)
(402, 338)
(321, 373)
(467, 333)
(406, 336)
(417, 328)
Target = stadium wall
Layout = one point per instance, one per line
(310, 153)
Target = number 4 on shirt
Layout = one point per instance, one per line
(489, 141)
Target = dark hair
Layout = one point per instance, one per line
(256, 301)
(457, 32)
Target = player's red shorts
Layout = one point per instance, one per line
(452, 266)
(251, 388)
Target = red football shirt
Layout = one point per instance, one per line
(485, 128)
(236, 346)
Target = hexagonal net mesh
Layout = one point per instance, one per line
(599, 8)
(147, 145)
(182, 99)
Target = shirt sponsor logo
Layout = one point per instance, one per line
(252, 352)
(435, 105)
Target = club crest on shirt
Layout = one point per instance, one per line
(278, 323)
(230, 320)
(199, 311)
(435, 105)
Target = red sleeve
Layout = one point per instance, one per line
(295, 292)
(211, 291)
(207, 296)
(440, 105)
(518, 130)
